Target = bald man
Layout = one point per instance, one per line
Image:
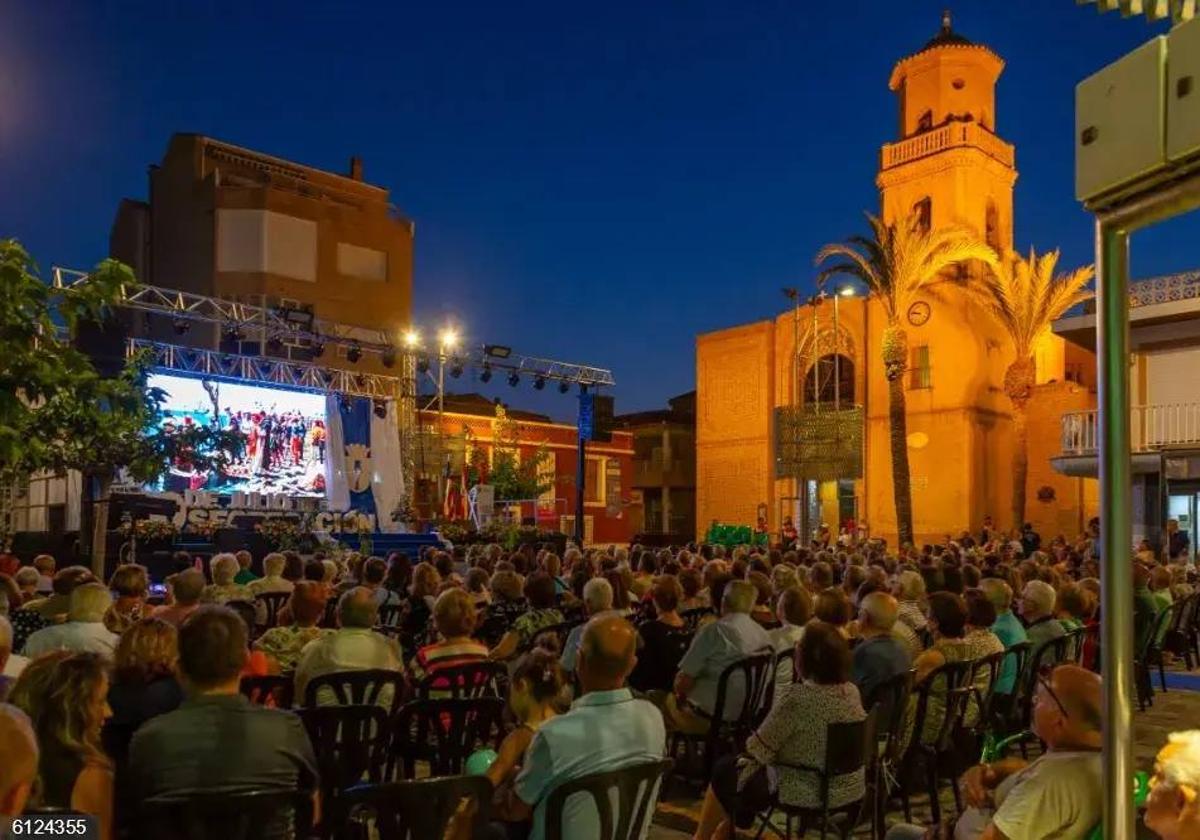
(19, 767)
(606, 729)
(879, 656)
(1058, 795)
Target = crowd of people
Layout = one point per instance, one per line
(110, 697)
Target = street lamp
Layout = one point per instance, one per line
(412, 338)
(447, 341)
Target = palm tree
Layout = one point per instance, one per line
(894, 262)
(1025, 296)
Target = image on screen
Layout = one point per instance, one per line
(284, 434)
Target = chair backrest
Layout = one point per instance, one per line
(849, 747)
(444, 733)
(350, 743)
(273, 690)
(329, 616)
(985, 673)
(1158, 628)
(889, 703)
(471, 679)
(229, 816)
(951, 683)
(249, 615)
(271, 603)
(417, 809)
(492, 629)
(389, 615)
(357, 687)
(1044, 657)
(692, 618)
(756, 674)
(636, 787)
(559, 631)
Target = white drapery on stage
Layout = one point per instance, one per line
(363, 470)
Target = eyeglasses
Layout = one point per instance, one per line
(1045, 683)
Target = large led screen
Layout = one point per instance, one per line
(284, 432)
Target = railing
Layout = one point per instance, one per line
(947, 137)
(1151, 427)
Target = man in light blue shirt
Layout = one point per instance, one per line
(717, 646)
(598, 601)
(606, 729)
(1008, 630)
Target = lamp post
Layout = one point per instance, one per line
(447, 341)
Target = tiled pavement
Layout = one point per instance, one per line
(1174, 710)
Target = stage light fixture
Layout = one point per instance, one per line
(412, 339)
(182, 325)
(318, 347)
(564, 386)
(456, 367)
(380, 408)
(233, 333)
(423, 364)
(497, 351)
(539, 382)
(485, 375)
(513, 379)
(388, 356)
(274, 345)
(354, 353)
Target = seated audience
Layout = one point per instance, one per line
(833, 607)
(606, 729)
(662, 641)
(1008, 630)
(1037, 610)
(879, 656)
(1145, 607)
(129, 585)
(65, 695)
(353, 647)
(1059, 794)
(42, 612)
(27, 579)
(144, 683)
(84, 629)
(44, 565)
(223, 568)
(542, 614)
(535, 687)
(793, 734)
(217, 740)
(374, 573)
(245, 575)
(183, 597)
(1173, 807)
(948, 625)
(476, 584)
(793, 610)
(454, 616)
(910, 593)
(11, 665)
(272, 579)
(716, 646)
(19, 770)
(282, 645)
(597, 600)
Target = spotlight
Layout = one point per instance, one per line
(513, 379)
(564, 386)
(233, 333)
(456, 367)
(388, 356)
(380, 408)
(318, 347)
(423, 364)
(274, 345)
(498, 351)
(412, 339)
(354, 353)
(182, 325)
(485, 375)
(539, 382)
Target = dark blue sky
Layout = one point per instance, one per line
(592, 182)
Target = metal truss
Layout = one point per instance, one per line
(268, 321)
(279, 373)
(551, 370)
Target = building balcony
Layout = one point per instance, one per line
(950, 136)
(1161, 310)
(1153, 428)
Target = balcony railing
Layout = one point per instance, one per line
(1166, 289)
(947, 137)
(1152, 427)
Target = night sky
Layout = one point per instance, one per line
(590, 182)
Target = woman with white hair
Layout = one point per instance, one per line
(223, 568)
(1173, 808)
(272, 579)
(910, 592)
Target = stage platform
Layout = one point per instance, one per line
(384, 544)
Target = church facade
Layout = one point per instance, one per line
(949, 165)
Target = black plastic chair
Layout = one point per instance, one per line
(443, 734)
(329, 616)
(492, 629)
(888, 701)
(389, 615)
(930, 756)
(693, 617)
(227, 816)
(637, 789)
(466, 681)
(358, 687)
(413, 809)
(271, 603)
(351, 744)
(985, 673)
(1177, 640)
(849, 748)
(269, 690)
(757, 675)
(1151, 655)
(248, 612)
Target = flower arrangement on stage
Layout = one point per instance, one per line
(457, 530)
(205, 529)
(160, 530)
(286, 534)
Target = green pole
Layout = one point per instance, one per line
(1116, 533)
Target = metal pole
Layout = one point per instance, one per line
(837, 368)
(441, 396)
(1116, 536)
(580, 468)
(798, 401)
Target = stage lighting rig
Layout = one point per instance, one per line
(423, 364)
(514, 379)
(353, 353)
(388, 356)
(182, 325)
(456, 367)
(497, 351)
(564, 386)
(485, 375)
(539, 382)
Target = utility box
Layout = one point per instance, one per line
(1183, 91)
(1120, 121)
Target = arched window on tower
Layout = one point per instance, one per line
(923, 211)
(991, 226)
(831, 377)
